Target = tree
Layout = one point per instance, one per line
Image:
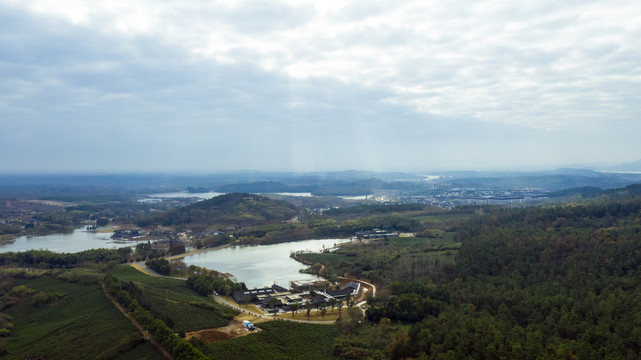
(178, 267)
(348, 300)
(161, 266)
(124, 251)
(295, 306)
(273, 302)
(323, 309)
(177, 248)
(352, 321)
(332, 303)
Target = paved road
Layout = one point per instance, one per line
(140, 266)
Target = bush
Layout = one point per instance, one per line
(21, 291)
(160, 266)
(41, 298)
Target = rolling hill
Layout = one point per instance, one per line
(230, 209)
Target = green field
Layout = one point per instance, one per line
(82, 325)
(278, 340)
(170, 300)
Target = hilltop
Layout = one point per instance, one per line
(229, 209)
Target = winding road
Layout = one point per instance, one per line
(365, 286)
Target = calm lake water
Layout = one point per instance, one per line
(77, 241)
(256, 266)
(207, 195)
(261, 265)
(184, 194)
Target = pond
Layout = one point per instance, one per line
(78, 240)
(262, 265)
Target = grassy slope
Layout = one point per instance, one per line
(80, 327)
(177, 289)
(279, 340)
(170, 298)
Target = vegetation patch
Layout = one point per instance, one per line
(278, 340)
(57, 319)
(387, 260)
(172, 301)
(126, 295)
(528, 283)
(229, 209)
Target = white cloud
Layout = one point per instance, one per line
(526, 68)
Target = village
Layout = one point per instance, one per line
(317, 294)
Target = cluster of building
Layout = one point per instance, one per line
(456, 197)
(375, 234)
(204, 234)
(125, 234)
(279, 299)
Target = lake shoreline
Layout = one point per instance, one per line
(258, 265)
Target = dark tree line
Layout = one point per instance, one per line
(160, 266)
(50, 259)
(206, 284)
(122, 292)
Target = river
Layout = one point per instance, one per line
(78, 240)
(261, 265)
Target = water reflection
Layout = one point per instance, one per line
(261, 265)
(78, 240)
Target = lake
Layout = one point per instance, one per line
(208, 195)
(184, 194)
(261, 265)
(78, 240)
(255, 265)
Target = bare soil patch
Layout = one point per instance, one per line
(233, 330)
(219, 334)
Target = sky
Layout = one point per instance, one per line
(210, 86)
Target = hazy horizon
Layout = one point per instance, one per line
(151, 87)
(426, 172)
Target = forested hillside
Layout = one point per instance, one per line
(541, 282)
(228, 209)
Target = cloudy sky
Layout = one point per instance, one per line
(152, 85)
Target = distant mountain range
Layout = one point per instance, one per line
(340, 183)
(634, 166)
(544, 180)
